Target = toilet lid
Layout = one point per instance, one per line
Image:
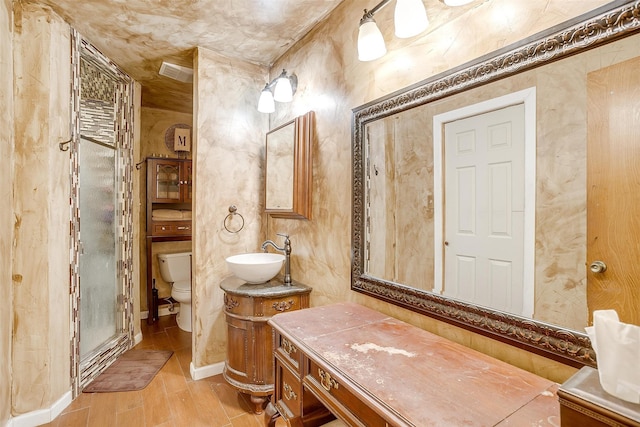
(184, 286)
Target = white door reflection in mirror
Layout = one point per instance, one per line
(485, 203)
(279, 167)
(484, 209)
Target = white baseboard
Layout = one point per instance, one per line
(205, 371)
(162, 311)
(41, 416)
(137, 339)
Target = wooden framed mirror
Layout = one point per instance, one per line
(552, 68)
(288, 170)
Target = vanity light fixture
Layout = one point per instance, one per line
(410, 18)
(280, 89)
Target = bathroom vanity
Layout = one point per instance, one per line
(369, 369)
(248, 307)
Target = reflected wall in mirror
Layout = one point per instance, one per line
(400, 199)
(289, 169)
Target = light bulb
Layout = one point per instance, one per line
(370, 41)
(265, 103)
(410, 18)
(283, 92)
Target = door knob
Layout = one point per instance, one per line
(598, 267)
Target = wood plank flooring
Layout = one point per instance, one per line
(172, 399)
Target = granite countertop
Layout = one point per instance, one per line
(273, 288)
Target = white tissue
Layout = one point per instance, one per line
(617, 347)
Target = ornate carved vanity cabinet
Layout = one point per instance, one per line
(370, 370)
(248, 307)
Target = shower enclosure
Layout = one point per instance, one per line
(101, 213)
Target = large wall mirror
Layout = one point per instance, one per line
(526, 207)
(288, 168)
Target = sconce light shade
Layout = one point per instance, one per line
(283, 86)
(456, 2)
(410, 18)
(283, 92)
(370, 41)
(265, 103)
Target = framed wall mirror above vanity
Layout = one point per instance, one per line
(289, 168)
(413, 204)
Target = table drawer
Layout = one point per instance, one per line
(288, 392)
(273, 306)
(339, 400)
(172, 229)
(289, 353)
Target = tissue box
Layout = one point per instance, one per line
(617, 347)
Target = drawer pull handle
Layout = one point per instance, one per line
(327, 382)
(282, 305)
(289, 394)
(183, 228)
(287, 347)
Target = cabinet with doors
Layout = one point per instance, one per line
(169, 194)
(248, 307)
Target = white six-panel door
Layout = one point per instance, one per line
(484, 209)
(486, 252)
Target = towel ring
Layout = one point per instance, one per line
(232, 212)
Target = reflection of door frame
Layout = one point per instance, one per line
(83, 371)
(528, 98)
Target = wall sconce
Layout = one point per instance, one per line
(410, 19)
(280, 89)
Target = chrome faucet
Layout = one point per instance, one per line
(287, 255)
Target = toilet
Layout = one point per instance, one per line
(176, 269)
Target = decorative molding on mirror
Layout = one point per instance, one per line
(603, 25)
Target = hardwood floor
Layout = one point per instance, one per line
(171, 399)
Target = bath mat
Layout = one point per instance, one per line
(134, 370)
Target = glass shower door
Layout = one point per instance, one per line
(99, 282)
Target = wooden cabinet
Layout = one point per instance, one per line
(169, 193)
(249, 364)
(169, 180)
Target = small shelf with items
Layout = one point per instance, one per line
(169, 194)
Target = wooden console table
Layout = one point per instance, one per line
(369, 369)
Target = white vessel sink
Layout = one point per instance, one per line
(256, 267)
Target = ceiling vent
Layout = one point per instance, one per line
(176, 72)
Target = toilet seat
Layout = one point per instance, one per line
(182, 286)
(181, 292)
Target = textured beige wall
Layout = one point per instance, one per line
(6, 217)
(154, 123)
(40, 366)
(331, 81)
(228, 165)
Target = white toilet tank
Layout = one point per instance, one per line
(175, 267)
